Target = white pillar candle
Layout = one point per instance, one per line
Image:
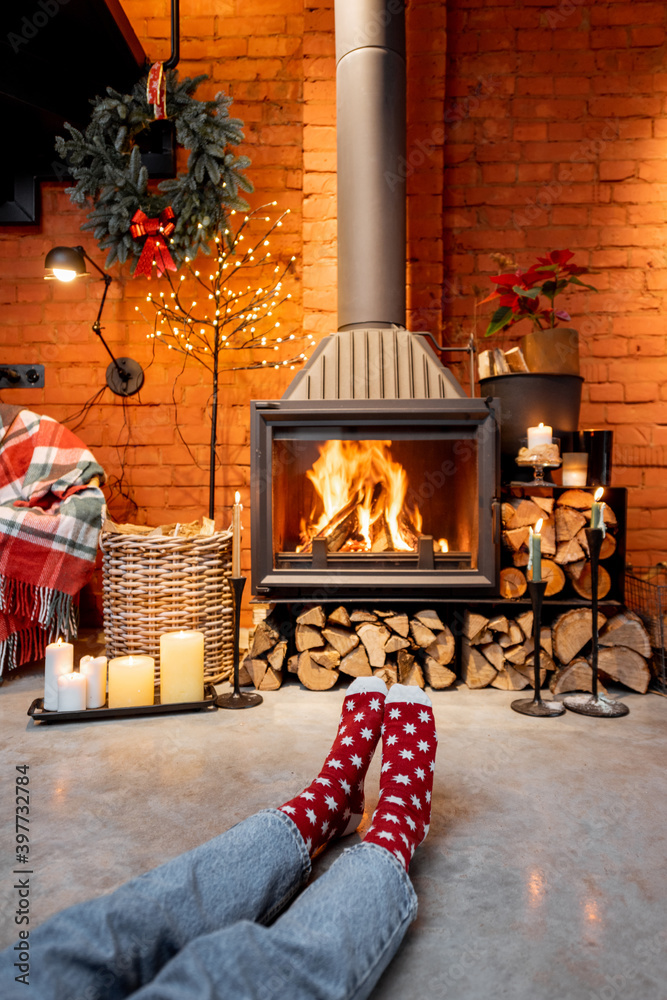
(236, 535)
(596, 509)
(181, 666)
(59, 659)
(539, 435)
(71, 692)
(131, 681)
(94, 668)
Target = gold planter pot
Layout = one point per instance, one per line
(552, 351)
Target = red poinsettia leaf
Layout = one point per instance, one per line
(505, 279)
(494, 295)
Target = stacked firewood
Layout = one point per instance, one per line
(411, 649)
(564, 545)
(499, 651)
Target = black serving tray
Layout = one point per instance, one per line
(40, 714)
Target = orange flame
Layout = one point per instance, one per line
(356, 473)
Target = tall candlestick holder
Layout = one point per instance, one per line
(595, 703)
(236, 698)
(535, 706)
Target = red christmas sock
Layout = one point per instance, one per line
(333, 804)
(409, 740)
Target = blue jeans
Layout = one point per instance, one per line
(203, 927)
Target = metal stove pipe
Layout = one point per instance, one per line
(370, 83)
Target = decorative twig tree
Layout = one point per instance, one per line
(241, 296)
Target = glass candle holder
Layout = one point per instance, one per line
(575, 468)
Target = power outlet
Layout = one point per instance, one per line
(21, 376)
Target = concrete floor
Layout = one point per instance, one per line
(543, 877)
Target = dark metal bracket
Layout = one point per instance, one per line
(21, 376)
(469, 350)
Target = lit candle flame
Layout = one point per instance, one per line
(538, 526)
(598, 494)
(237, 497)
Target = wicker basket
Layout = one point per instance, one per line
(159, 584)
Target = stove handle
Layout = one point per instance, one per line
(496, 516)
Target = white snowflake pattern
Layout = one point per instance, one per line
(390, 817)
(341, 729)
(356, 760)
(325, 826)
(400, 857)
(288, 809)
(347, 741)
(432, 766)
(423, 745)
(385, 835)
(416, 801)
(307, 795)
(309, 844)
(336, 764)
(405, 840)
(423, 716)
(394, 713)
(310, 813)
(391, 740)
(420, 772)
(347, 813)
(407, 754)
(359, 717)
(402, 779)
(411, 823)
(386, 767)
(367, 734)
(331, 802)
(375, 705)
(345, 786)
(396, 800)
(428, 796)
(349, 704)
(410, 728)
(323, 781)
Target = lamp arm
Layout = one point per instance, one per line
(107, 279)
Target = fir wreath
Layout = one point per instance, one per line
(106, 165)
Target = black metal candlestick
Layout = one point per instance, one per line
(595, 704)
(236, 699)
(535, 706)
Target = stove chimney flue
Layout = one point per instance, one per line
(370, 85)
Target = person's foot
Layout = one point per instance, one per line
(333, 804)
(409, 740)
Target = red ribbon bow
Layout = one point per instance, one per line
(155, 249)
(156, 90)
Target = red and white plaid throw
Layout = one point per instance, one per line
(50, 521)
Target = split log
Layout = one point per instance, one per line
(554, 576)
(256, 669)
(509, 679)
(244, 677)
(572, 630)
(313, 616)
(388, 673)
(340, 617)
(473, 624)
(327, 657)
(569, 552)
(499, 623)
(516, 633)
(374, 638)
(277, 655)
(528, 668)
(525, 623)
(422, 635)
(494, 653)
(545, 640)
(576, 676)
(512, 582)
(430, 619)
(307, 637)
(526, 513)
(578, 499)
(607, 548)
(399, 624)
(568, 523)
(394, 643)
(544, 503)
(363, 616)
(476, 670)
(293, 663)
(340, 639)
(443, 647)
(549, 538)
(619, 663)
(265, 637)
(517, 655)
(356, 663)
(627, 629)
(409, 671)
(437, 675)
(486, 635)
(271, 680)
(516, 538)
(314, 677)
(521, 558)
(507, 514)
(583, 583)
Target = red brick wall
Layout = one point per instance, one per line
(558, 139)
(530, 126)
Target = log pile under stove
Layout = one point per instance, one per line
(419, 648)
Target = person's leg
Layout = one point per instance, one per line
(337, 938)
(110, 946)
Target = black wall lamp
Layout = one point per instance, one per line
(124, 376)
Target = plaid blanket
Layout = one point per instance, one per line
(50, 521)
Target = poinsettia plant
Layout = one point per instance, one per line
(518, 292)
